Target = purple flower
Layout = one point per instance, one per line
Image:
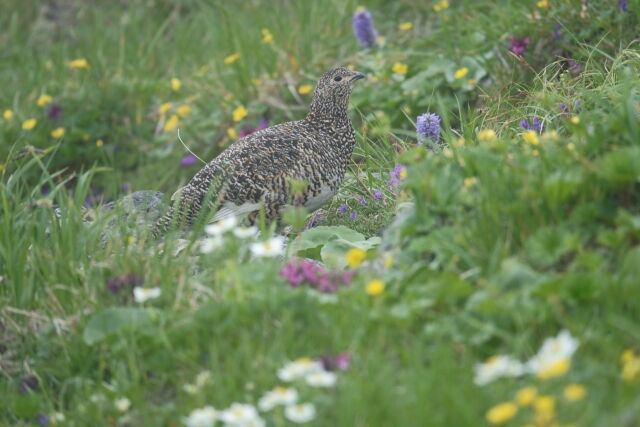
(395, 176)
(574, 67)
(377, 194)
(519, 44)
(117, 284)
(362, 200)
(623, 5)
(353, 215)
(332, 363)
(28, 384)
(43, 420)
(248, 130)
(54, 111)
(314, 221)
(343, 209)
(126, 187)
(188, 161)
(428, 126)
(536, 125)
(363, 28)
(557, 33)
(292, 274)
(297, 272)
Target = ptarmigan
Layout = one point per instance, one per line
(256, 171)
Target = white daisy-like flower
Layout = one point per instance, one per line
(245, 232)
(190, 388)
(299, 368)
(497, 367)
(321, 379)
(301, 413)
(122, 404)
(278, 396)
(221, 227)
(203, 378)
(268, 248)
(211, 244)
(141, 295)
(553, 350)
(203, 417)
(241, 414)
(57, 417)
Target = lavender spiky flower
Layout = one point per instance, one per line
(363, 28)
(536, 125)
(428, 126)
(624, 5)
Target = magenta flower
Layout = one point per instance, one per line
(188, 161)
(519, 44)
(338, 362)
(54, 111)
(306, 271)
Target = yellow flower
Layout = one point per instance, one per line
(232, 133)
(556, 369)
(470, 182)
(231, 58)
(526, 396)
(447, 153)
(43, 100)
(267, 37)
(57, 133)
(175, 84)
(380, 40)
(535, 153)
(78, 63)
(444, 4)
(461, 72)
(531, 137)
(405, 26)
(8, 114)
(574, 392)
(29, 124)
(239, 113)
(575, 120)
(172, 123)
(388, 261)
(487, 135)
(355, 257)
(502, 413)
(571, 146)
(400, 68)
(305, 89)
(183, 110)
(544, 4)
(458, 143)
(403, 173)
(99, 143)
(627, 355)
(165, 107)
(472, 82)
(375, 287)
(545, 409)
(631, 369)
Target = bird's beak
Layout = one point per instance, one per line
(358, 76)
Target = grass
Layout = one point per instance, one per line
(489, 246)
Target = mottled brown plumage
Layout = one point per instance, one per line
(256, 171)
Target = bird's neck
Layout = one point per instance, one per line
(329, 111)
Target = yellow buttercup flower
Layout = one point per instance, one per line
(43, 100)
(526, 396)
(470, 182)
(239, 113)
(7, 114)
(502, 413)
(99, 143)
(575, 120)
(447, 153)
(403, 173)
(172, 123)
(628, 355)
(400, 68)
(165, 107)
(444, 4)
(232, 133)
(355, 257)
(388, 261)
(531, 137)
(231, 58)
(571, 146)
(267, 37)
(183, 110)
(375, 287)
(487, 135)
(574, 392)
(461, 72)
(545, 409)
(544, 4)
(57, 133)
(29, 124)
(406, 26)
(305, 89)
(556, 369)
(176, 84)
(78, 63)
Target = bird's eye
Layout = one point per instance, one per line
(337, 79)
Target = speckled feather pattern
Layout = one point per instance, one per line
(258, 169)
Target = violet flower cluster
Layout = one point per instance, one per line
(395, 176)
(305, 271)
(248, 130)
(364, 29)
(428, 126)
(518, 44)
(536, 125)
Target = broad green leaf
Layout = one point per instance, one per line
(319, 236)
(115, 319)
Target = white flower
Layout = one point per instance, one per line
(203, 378)
(57, 417)
(122, 404)
(204, 417)
(190, 388)
(497, 367)
(245, 232)
(278, 396)
(269, 248)
(553, 350)
(221, 227)
(302, 413)
(241, 414)
(299, 368)
(321, 379)
(144, 294)
(211, 244)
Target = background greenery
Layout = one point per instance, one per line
(497, 243)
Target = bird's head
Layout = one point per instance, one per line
(333, 90)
